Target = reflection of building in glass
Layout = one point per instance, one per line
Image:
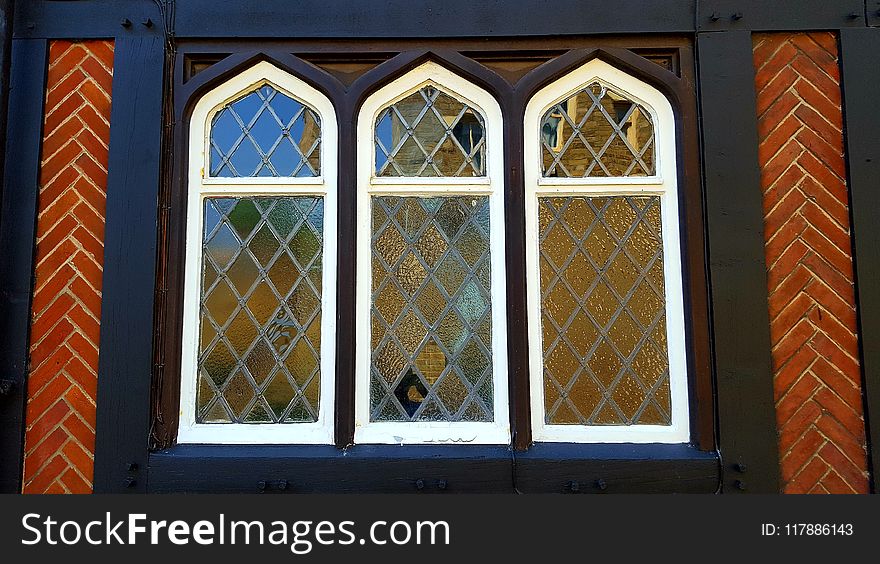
(429, 133)
(597, 132)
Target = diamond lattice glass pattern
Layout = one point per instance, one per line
(260, 327)
(431, 315)
(603, 311)
(265, 133)
(430, 133)
(598, 132)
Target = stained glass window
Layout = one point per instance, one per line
(430, 133)
(603, 311)
(431, 316)
(265, 133)
(260, 323)
(597, 132)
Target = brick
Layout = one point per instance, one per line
(62, 384)
(823, 150)
(790, 371)
(851, 474)
(776, 87)
(778, 138)
(788, 289)
(796, 458)
(772, 66)
(845, 388)
(796, 310)
(796, 396)
(808, 477)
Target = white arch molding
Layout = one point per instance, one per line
(663, 184)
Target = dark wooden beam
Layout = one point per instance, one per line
(858, 53)
(17, 231)
(737, 271)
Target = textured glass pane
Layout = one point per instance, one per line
(265, 133)
(603, 311)
(259, 353)
(430, 133)
(431, 313)
(598, 132)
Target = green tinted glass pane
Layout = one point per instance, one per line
(259, 355)
(265, 133)
(603, 311)
(430, 133)
(597, 132)
(431, 309)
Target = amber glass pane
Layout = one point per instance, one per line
(430, 133)
(431, 310)
(598, 132)
(603, 311)
(265, 133)
(260, 337)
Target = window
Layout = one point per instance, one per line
(258, 351)
(431, 330)
(605, 304)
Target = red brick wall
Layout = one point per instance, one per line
(809, 261)
(60, 431)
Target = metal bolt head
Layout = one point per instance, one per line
(147, 23)
(420, 484)
(737, 16)
(132, 467)
(854, 15)
(601, 484)
(740, 485)
(740, 467)
(574, 486)
(715, 17)
(442, 484)
(126, 23)
(261, 485)
(130, 482)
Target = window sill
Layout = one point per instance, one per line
(544, 468)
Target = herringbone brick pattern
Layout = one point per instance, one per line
(809, 261)
(60, 432)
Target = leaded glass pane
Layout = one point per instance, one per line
(603, 311)
(430, 133)
(431, 309)
(260, 329)
(265, 133)
(598, 132)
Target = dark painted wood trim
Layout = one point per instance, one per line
(779, 15)
(87, 19)
(858, 55)
(738, 275)
(616, 468)
(125, 360)
(408, 18)
(17, 234)
(433, 469)
(872, 10)
(7, 11)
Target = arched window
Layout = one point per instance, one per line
(259, 302)
(606, 321)
(431, 346)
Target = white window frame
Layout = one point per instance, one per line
(665, 185)
(497, 431)
(200, 187)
